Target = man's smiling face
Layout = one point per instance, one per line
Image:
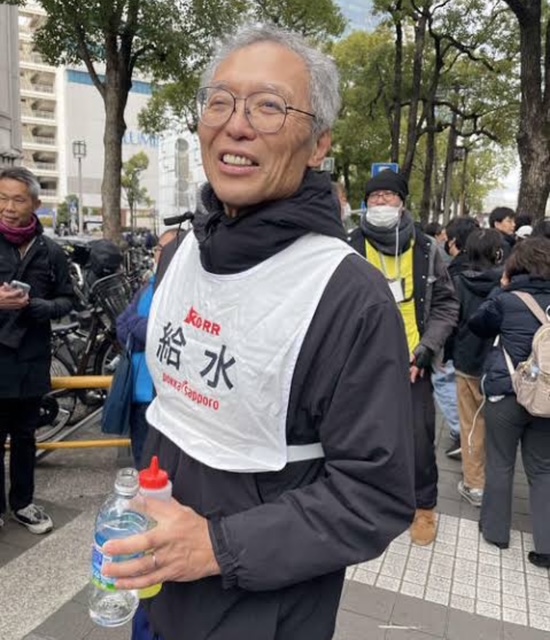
(247, 167)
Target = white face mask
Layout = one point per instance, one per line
(383, 215)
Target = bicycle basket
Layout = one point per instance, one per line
(112, 294)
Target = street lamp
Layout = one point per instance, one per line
(79, 152)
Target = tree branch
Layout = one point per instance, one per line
(83, 50)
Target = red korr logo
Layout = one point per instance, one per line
(196, 320)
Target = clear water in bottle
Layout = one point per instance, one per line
(108, 606)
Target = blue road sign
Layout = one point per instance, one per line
(377, 167)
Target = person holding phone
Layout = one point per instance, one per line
(35, 288)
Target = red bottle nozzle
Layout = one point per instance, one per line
(154, 477)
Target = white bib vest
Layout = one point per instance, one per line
(222, 351)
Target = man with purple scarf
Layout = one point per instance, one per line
(27, 259)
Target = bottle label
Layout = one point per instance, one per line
(99, 559)
(128, 524)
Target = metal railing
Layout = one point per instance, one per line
(26, 85)
(50, 142)
(42, 166)
(38, 113)
(32, 56)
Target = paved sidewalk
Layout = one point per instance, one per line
(459, 588)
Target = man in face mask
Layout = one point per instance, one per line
(423, 290)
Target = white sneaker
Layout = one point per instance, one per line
(473, 496)
(34, 518)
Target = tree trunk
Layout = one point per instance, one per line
(428, 167)
(464, 183)
(534, 127)
(117, 88)
(112, 165)
(412, 125)
(449, 166)
(397, 89)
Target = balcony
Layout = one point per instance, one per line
(32, 58)
(33, 87)
(42, 168)
(37, 114)
(31, 140)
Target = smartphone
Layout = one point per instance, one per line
(22, 286)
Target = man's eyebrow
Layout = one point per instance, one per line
(264, 86)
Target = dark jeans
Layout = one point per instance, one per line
(507, 425)
(138, 430)
(18, 419)
(425, 467)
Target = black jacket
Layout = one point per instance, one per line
(283, 539)
(506, 315)
(25, 335)
(458, 264)
(469, 350)
(436, 304)
(508, 243)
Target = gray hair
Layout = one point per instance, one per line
(20, 174)
(323, 74)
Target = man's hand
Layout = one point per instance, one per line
(421, 360)
(177, 549)
(12, 299)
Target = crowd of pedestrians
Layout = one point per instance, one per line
(494, 334)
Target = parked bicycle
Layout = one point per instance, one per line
(87, 346)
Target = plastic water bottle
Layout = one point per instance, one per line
(108, 606)
(154, 483)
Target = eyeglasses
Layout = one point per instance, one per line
(266, 112)
(386, 196)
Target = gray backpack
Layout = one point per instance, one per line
(531, 378)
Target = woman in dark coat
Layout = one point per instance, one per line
(508, 423)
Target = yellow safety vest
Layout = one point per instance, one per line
(393, 269)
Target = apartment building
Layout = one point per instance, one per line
(60, 106)
(10, 126)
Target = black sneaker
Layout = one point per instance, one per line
(34, 518)
(454, 451)
(541, 560)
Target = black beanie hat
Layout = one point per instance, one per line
(388, 180)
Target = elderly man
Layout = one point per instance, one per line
(280, 363)
(423, 290)
(35, 288)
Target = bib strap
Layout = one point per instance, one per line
(300, 452)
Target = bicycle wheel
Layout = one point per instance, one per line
(106, 359)
(57, 407)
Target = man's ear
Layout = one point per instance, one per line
(320, 150)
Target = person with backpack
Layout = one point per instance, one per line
(506, 315)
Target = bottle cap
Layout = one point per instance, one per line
(126, 482)
(154, 477)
